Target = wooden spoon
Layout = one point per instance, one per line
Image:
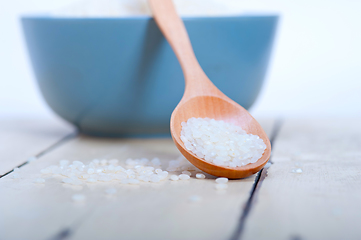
(201, 98)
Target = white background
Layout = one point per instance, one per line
(315, 69)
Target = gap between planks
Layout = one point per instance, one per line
(261, 175)
(45, 151)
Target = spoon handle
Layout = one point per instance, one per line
(175, 32)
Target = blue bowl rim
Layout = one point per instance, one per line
(147, 17)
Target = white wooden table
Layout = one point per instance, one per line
(322, 202)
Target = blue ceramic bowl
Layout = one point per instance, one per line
(119, 76)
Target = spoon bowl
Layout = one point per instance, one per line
(201, 98)
(219, 109)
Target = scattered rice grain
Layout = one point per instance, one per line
(174, 178)
(184, 177)
(200, 176)
(221, 180)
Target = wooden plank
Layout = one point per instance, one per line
(154, 211)
(323, 201)
(21, 139)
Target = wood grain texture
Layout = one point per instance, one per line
(201, 98)
(322, 202)
(22, 139)
(150, 211)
